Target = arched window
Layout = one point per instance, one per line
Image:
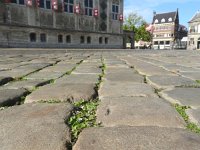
(68, 39)
(163, 20)
(156, 21)
(170, 19)
(60, 38)
(88, 40)
(88, 7)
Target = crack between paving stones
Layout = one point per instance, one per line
(84, 113)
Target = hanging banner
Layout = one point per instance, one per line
(121, 17)
(96, 12)
(54, 4)
(77, 9)
(29, 3)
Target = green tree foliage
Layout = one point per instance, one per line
(136, 23)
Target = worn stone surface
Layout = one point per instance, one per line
(9, 97)
(184, 96)
(165, 81)
(124, 77)
(62, 92)
(87, 70)
(143, 138)
(194, 115)
(35, 127)
(138, 111)
(26, 84)
(45, 75)
(79, 78)
(113, 89)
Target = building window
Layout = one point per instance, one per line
(170, 19)
(69, 6)
(163, 20)
(100, 40)
(115, 11)
(167, 42)
(156, 43)
(60, 38)
(33, 37)
(88, 7)
(68, 39)
(21, 2)
(45, 4)
(106, 40)
(161, 42)
(82, 39)
(43, 37)
(156, 21)
(88, 40)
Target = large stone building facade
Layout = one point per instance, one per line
(61, 23)
(194, 32)
(167, 31)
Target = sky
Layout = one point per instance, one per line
(145, 8)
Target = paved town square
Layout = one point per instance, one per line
(146, 99)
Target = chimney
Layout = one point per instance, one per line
(154, 13)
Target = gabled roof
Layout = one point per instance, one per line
(196, 17)
(165, 16)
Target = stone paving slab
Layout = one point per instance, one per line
(79, 78)
(124, 77)
(183, 96)
(45, 75)
(138, 111)
(35, 127)
(10, 97)
(59, 68)
(26, 84)
(62, 92)
(4, 80)
(194, 115)
(137, 138)
(113, 89)
(120, 70)
(192, 75)
(87, 70)
(166, 81)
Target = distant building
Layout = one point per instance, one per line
(167, 32)
(194, 32)
(61, 23)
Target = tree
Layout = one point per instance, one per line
(136, 23)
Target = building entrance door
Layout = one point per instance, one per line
(198, 43)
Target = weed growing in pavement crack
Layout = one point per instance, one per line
(83, 116)
(190, 125)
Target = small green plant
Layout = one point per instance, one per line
(51, 101)
(83, 116)
(198, 81)
(182, 111)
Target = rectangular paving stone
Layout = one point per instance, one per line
(113, 89)
(87, 70)
(62, 92)
(79, 78)
(138, 111)
(124, 77)
(183, 96)
(194, 115)
(59, 68)
(9, 97)
(26, 84)
(35, 127)
(137, 138)
(167, 81)
(44, 75)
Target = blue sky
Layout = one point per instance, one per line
(187, 8)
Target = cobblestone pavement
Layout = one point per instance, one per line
(148, 100)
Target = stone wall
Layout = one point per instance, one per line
(16, 36)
